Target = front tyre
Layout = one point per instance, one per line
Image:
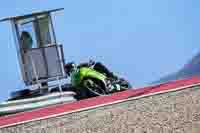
(94, 87)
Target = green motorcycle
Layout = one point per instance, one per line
(89, 82)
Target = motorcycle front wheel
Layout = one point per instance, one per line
(94, 87)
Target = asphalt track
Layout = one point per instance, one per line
(182, 79)
(92, 103)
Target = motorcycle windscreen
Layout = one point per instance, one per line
(42, 63)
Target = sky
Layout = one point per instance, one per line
(138, 40)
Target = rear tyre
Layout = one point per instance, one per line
(120, 85)
(125, 85)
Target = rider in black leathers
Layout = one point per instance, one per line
(98, 66)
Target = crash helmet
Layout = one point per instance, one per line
(70, 67)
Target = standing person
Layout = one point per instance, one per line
(26, 40)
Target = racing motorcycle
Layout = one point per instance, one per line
(88, 82)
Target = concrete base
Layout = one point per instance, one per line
(172, 112)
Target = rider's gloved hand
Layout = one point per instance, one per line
(91, 62)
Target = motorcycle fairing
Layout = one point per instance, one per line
(85, 72)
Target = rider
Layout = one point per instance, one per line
(98, 66)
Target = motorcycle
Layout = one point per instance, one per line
(89, 82)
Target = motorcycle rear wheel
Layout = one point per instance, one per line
(125, 85)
